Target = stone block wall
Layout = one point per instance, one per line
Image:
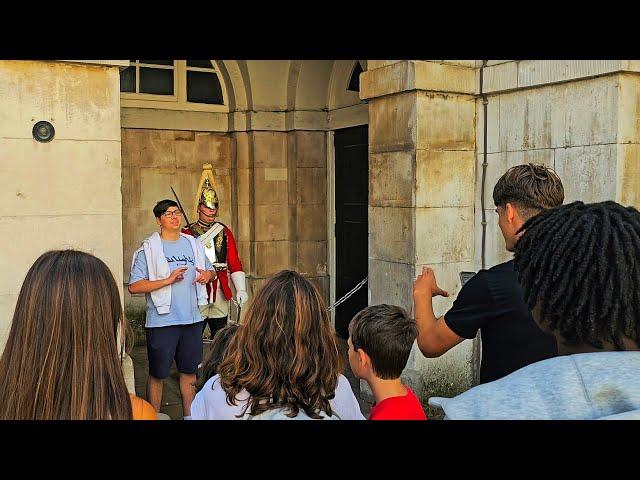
(153, 161)
(282, 204)
(421, 196)
(586, 128)
(272, 190)
(65, 193)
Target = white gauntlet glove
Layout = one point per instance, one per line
(241, 290)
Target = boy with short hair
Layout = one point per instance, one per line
(172, 269)
(380, 340)
(491, 301)
(578, 267)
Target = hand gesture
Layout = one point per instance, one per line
(205, 276)
(177, 275)
(426, 285)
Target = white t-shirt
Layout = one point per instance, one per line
(210, 403)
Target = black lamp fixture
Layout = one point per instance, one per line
(43, 131)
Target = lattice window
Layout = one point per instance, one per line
(149, 77)
(173, 85)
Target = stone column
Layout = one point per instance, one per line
(64, 193)
(628, 142)
(281, 184)
(421, 193)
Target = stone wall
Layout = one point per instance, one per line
(152, 162)
(580, 117)
(282, 204)
(65, 193)
(421, 160)
(271, 186)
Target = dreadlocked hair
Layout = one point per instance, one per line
(581, 264)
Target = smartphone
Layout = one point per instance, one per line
(465, 276)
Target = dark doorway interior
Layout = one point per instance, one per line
(351, 229)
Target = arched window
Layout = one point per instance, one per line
(203, 85)
(354, 81)
(172, 85)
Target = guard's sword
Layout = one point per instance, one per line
(184, 214)
(238, 310)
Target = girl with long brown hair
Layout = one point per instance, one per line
(62, 359)
(283, 363)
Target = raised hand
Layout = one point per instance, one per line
(426, 285)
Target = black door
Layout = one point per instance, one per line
(351, 199)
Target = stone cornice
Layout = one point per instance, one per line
(105, 63)
(522, 74)
(417, 75)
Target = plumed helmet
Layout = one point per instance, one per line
(208, 196)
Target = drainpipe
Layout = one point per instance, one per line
(484, 162)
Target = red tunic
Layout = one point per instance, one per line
(233, 264)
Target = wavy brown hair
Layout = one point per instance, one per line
(285, 355)
(61, 360)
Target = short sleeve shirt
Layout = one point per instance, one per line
(492, 302)
(184, 300)
(405, 407)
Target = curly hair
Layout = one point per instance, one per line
(285, 355)
(580, 263)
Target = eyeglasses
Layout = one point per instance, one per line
(174, 213)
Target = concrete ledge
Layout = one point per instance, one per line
(412, 75)
(278, 121)
(348, 116)
(514, 75)
(174, 120)
(306, 120)
(269, 121)
(373, 64)
(395, 78)
(223, 122)
(501, 77)
(105, 63)
(444, 77)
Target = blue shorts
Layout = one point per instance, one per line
(180, 342)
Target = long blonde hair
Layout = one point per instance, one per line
(62, 360)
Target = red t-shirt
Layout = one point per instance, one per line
(406, 407)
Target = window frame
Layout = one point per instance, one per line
(353, 70)
(151, 96)
(177, 101)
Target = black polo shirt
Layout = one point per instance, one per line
(492, 302)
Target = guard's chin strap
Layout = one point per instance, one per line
(205, 225)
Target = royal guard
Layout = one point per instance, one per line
(220, 246)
